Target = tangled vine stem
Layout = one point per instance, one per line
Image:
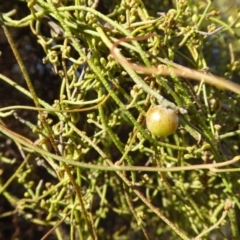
(169, 69)
(27, 143)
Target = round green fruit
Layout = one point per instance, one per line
(162, 121)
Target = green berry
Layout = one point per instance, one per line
(162, 121)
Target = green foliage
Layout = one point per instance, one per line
(104, 175)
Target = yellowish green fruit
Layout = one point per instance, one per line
(162, 121)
